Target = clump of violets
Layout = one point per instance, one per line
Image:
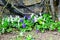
(27, 17)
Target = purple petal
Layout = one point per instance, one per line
(28, 17)
(37, 31)
(24, 26)
(25, 16)
(21, 20)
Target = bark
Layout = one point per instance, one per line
(52, 9)
(59, 11)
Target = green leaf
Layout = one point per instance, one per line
(42, 30)
(29, 28)
(9, 30)
(58, 30)
(29, 37)
(38, 27)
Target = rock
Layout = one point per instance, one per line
(55, 33)
(33, 9)
(1, 3)
(30, 2)
(26, 2)
(0, 11)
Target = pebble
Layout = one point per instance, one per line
(55, 33)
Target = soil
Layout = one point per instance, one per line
(49, 35)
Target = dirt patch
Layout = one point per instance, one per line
(37, 36)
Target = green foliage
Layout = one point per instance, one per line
(46, 23)
(8, 23)
(58, 26)
(53, 26)
(4, 26)
(42, 24)
(27, 23)
(9, 29)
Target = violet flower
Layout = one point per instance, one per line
(28, 17)
(35, 19)
(25, 16)
(24, 26)
(37, 31)
(21, 20)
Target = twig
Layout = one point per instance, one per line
(4, 6)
